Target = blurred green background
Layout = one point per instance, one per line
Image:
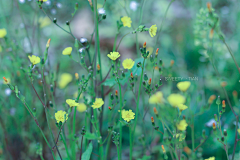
(28, 30)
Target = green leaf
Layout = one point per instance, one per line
(144, 158)
(109, 82)
(90, 136)
(87, 154)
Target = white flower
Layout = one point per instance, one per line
(133, 5)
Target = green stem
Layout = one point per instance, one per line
(193, 145)
(138, 99)
(73, 133)
(120, 129)
(131, 143)
(65, 144)
(119, 155)
(115, 42)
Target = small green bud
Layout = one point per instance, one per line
(145, 77)
(67, 22)
(54, 20)
(218, 102)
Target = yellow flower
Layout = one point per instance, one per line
(113, 55)
(210, 158)
(3, 33)
(126, 21)
(34, 59)
(183, 86)
(153, 30)
(182, 125)
(61, 116)
(65, 78)
(81, 107)
(180, 136)
(182, 107)
(71, 102)
(156, 98)
(128, 115)
(128, 63)
(176, 99)
(67, 51)
(44, 21)
(1, 49)
(98, 103)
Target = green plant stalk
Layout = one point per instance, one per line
(138, 99)
(131, 143)
(65, 144)
(119, 155)
(120, 117)
(115, 42)
(97, 49)
(101, 153)
(193, 144)
(73, 133)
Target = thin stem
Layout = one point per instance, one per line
(81, 149)
(121, 105)
(131, 143)
(193, 145)
(73, 133)
(119, 155)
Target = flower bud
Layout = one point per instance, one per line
(211, 99)
(123, 74)
(223, 104)
(54, 20)
(145, 77)
(225, 132)
(156, 53)
(76, 76)
(224, 84)
(110, 108)
(116, 93)
(163, 149)
(214, 126)
(160, 82)
(112, 97)
(172, 63)
(209, 6)
(131, 75)
(76, 6)
(67, 23)
(98, 67)
(234, 93)
(150, 81)
(211, 34)
(48, 43)
(144, 45)
(218, 102)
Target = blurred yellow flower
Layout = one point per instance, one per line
(128, 63)
(176, 99)
(182, 107)
(34, 59)
(156, 98)
(3, 33)
(183, 86)
(153, 30)
(71, 102)
(44, 21)
(67, 51)
(128, 115)
(182, 126)
(180, 136)
(238, 131)
(126, 21)
(81, 107)
(210, 158)
(1, 49)
(65, 78)
(113, 55)
(61, 116)
(98, 103)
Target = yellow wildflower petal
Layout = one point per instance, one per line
(71, 102)
(182, 107)
(183, 86)
(128, 63)
(3, 33)
(126, 21)
(67, 51)
(65, 78)
(44, 21)
(210, 158)
(81, 107)
(61, 116)
(153, 30)
(156, 98)
(128, 115)
(34, 59)
(98, 103)
(182, 126)
(113, 55)
(176, 99)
